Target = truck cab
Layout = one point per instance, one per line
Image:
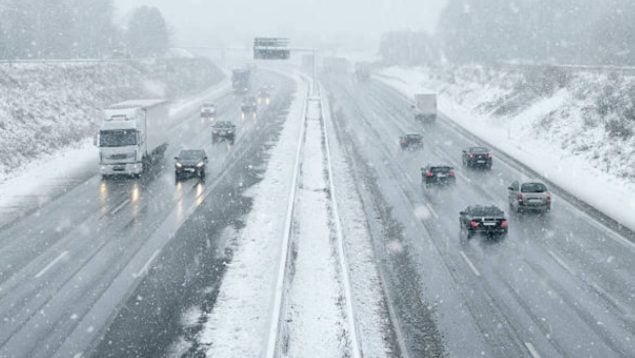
(130, 133)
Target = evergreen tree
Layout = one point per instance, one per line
(147, 33)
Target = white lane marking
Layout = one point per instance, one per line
(116, 210)
(147, 265)
(469, 263)
(51, 264)
(532, 350)
(432, 211)
(561, 262)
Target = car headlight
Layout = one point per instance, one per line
(200, 164)
(178, 165)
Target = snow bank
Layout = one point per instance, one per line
(574, 128)
(49, 106)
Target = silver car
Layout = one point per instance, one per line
(529, 196)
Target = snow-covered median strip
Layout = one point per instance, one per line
(314, 311)
(315, 318)
(514, 136)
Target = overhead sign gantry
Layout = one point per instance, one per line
(271, 48)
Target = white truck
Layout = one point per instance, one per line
(130, 135)
(425, 107)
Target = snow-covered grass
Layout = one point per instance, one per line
(49, 106)
(574, 128)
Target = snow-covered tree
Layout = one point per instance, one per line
(148, 33)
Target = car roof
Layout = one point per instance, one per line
(439, 166)
(478, 149)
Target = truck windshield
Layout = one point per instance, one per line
(117, 138)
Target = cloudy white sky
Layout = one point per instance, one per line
(196, 21)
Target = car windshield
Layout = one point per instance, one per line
(479, 150)
(533, 188)
(117, 138)
(191, 155)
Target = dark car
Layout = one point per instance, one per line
(488, 220)
(263, 96)
(223, 130)
(190, 162)
(411, 141)
(438, 174)
(249, 105)
(529, 196)
(208, 111)
(477, 157)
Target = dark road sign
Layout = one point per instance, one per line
(271, 48)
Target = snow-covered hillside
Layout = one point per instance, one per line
(585, 114)
(574, 127)
(45, 107)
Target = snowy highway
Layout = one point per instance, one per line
(559, 285)
(69, 266)
(153, 267)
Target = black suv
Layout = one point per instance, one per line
(438, 174)
(488, 220)
(223, 130)
(477, 157)
(411, 141)
(190, 162)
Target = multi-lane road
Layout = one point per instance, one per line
(108, 267)
(559, 285)
(108, 251)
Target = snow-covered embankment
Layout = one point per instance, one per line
(574, 128)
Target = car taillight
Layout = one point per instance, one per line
(489, 155)
(471, 155)
(451, 173)
(474, 224)
(429, 174)
(504, 224)
(519, 196)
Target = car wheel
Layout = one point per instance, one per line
(202, 173)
